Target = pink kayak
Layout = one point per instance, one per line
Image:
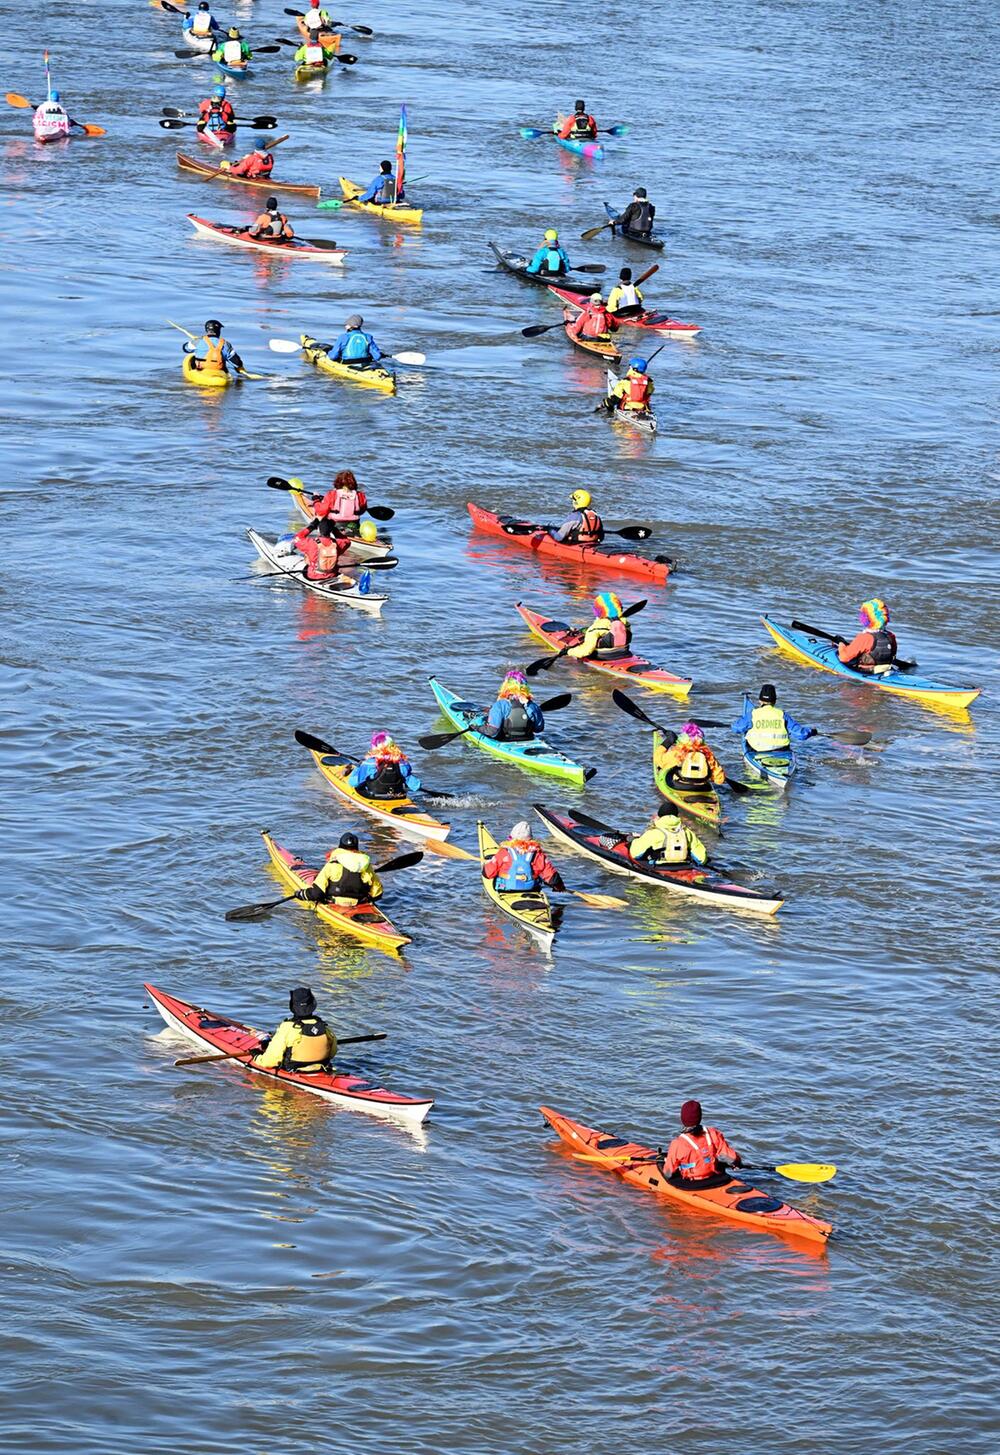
(217, 139)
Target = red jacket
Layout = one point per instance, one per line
(593, 322)
(257, 164)
(334, 504)
(225, 112)
(696, 1156)
(321, 552)
(587, 127)
(542, 867)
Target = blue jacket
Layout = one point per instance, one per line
(500, 712)
(796, 732)
(354, 346)
(555, 253)
(368, 767)
(371, 194)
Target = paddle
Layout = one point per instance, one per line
(534, 330)
(269, 146)
(286, 346)
(330, 55)
(531, 132)
(838, 735)
(324, 244)
(634, 710)
(317, 745)
(247, 912)
(190, 55)
(593, 232)
(21, 103)
(243, 373)
(277, 482)
(815, 631)
(336, 24)
(595, 901)
(544, 663)
(262, 123)
(438, 740)
(627, 532)
(793, 1171)
(238, 1055)
(333, 203)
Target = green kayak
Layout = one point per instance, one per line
(537, 756)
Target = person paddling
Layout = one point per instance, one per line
(344, 503)
(311, 53)
(584, 527)
(551, 260)
(638, 216)
(667, 842)
(220, 356)
(520, 864)
(688, 760)
(624, 294)
(608, 635)
(581, 126)
(767, 728)
(634, 390)
(384, 771)
(51, 118)
(233, 51)
(256, 165)
(515, 716)
(272, 225)
(303, 1043)
(322, 549)
(346, 878)
(874, 647)
(216, 114)
(382, 189)
(700, 1154)
(594, 321)
(355, 346)
(202, 23)
(314, 23)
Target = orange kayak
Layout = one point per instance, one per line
(734, 1199)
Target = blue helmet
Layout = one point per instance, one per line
(639, 364)
(219, 93)
(53, 95)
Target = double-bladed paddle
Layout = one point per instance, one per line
(620, 128)
(189, 349)
(633, 709)
(190, 55)
(286, 346)
(634, 308)
(21, 103)
(248, 912)
(278, 482)
(330, 55)
(854, 737)
(336, 24)
(263, 123)
(542, 664)
(627, 532)
(815, 631)
(238, 1055)
(317, 745)
(794, 1171)
(438, 740)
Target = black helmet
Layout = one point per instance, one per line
(301, 1001)
(348, 841)
(768, 694)
(640, 192)
(271, 205)
(213, 326)
(579, 106)
(385, 167)
(625, 276)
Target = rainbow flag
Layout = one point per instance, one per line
(400, 153)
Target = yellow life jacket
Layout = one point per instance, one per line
(767, 732)
(694, 766)
(313, 1046)
(674, 846)
(355, 878)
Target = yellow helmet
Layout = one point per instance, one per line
(368, 531)
(551, 235)
(580, 499)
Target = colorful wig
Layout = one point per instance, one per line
(874, 614)
(607, 605)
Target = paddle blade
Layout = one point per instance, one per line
(410, 358)
(848, 735)
(622, 700)
(381, 512)
(591, 268)
(634, 532)
(330, 205)
(346, 60)
(807, 1171)
(599, 901)
(530, 132)
(171, 123)
(437, 740)
(315, 745)
(283, 346)
(593, 232)
(562, 699)
(405, 861)
(619, 129)
(247, 912)
(13, 98)
(535, 329)
(90, 129)
(278, 482)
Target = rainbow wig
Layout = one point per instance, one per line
(515, 684)
(874, 614)
(607, 605)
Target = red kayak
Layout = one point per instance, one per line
(658, 322)
(218, 1033)
(217, 139)
(537, 539)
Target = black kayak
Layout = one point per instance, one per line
(642, 242)
(518, 265)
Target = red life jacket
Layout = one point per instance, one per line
(257, 164)
(637, 392)
(327, 554)
(595, 321)
(590, 531)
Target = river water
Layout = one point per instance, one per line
(192, 1261)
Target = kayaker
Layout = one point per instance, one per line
(51, 117)
(215, 113)
(384, 771)
(220, 355)
(624, 294)
(322, 550)
(272, 223)
(584, 527)
(311, 53)
(668, 841)
(304, 1042)
(233, 51)
(593, 320)
(767, 728)
(514, 717)
(689, 760)
(258, 163)
(382, 188)
(608, 635)
(345, 502)
(634, 389)
(638, 215)
(202, 22)
(580, 126)
(874, 647)
(354, 346)
(347, 877)
(550, 260)
(520, 864)
(314, 22)
(700, 1153)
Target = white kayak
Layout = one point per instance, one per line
(343, 589)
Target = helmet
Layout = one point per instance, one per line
(691, 1114)
(348, 841)
(692, 732)
(301, 1001)
(579, 106)
(368, 532)
(203, 5)
(521, 830)
(607, 605)
(551, 235)
(213, 326)
(874, 614)
(355, 321)
(596, 298)
(637, 363)
(53, 95)
(580, 499)
(385, 167)
(625, 275)
(233, 33)
(218, 93)
(640, 194)
(768, 694)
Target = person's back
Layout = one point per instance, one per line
(347, 877)
(303, 1043)
(355, 346)
(384, 772)
(668, 843)
(514, 717)
(699, 1153)
(520, 864)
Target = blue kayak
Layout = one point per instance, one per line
(537, 755)
(776, 768)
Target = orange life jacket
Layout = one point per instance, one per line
(213, 358)
(703, 1161)
(637, 392)
(257, 164)
(591, 529)
(327, 554)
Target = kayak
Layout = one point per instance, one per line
(204, 378)
(634, 669)
(369, 376)
(295, 247)
(609, 846)
(203, 43)
(394, 211)
(817, 652)
(632, 237)
(775, 767)
(359, 550)
(603, 347)
(306, 72)
(736, 1200)
(235, 73)
(518, 265)
(342, 589)
(658, 322)
(537, 539)
(537, 755)
(528, 908)
(212, 1032)
(644, 420)
(54, 125)
(328, 39)
(218, 139)
(364, 921)
(701, 800)
(401, 813)
(592, 149)
(267, 184)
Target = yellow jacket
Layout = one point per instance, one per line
(665, 830)
(347, 877)
(616, 295)
(600, 627)
(286, 1037)
(674, 756)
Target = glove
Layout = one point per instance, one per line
(557, 885)
(812, 732)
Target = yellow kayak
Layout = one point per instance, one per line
(363, 921)
(394, 211)
(204, 378)
(369, 376)
(530, 908)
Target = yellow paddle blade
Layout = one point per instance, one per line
(600, 901)
(244, 375)
(449, 851)
(181, 330)
(807, 1171)
(12, 98)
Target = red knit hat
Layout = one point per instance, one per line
(691, 1114)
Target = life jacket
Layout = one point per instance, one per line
(519, 875)
(614, 638)
(516, 725)
(674, 848)
(313, 1047)
(767, 732)
(213, 358)
(637, 391)
(355, 874)
(703, 1161)
(590, 531)
(202, 23)
(693, 766)
(356, 347)
(327, 554)
(232, 52)
(628, 296)
(315, 55)
(642, 219)
(258, 164)
(552, 262)
(348, 504)
(881, 653)
(386, 191)
(219, 115)
(584, 128)
(314, 20)
(596, 322)
(388, 781)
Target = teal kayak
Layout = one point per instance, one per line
(537, 756)
(776, 768)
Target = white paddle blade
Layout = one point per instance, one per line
(284, 346)
(410, 358)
